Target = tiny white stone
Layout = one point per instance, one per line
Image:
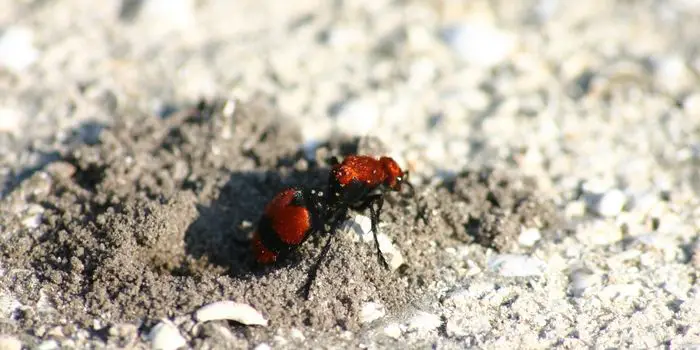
(371, 311)
(10, 120)
(392, 255)
(582, 279)
(423, 322)
(345, 37)
(230, 310)
(297, 334)
(230, 107)
(9, 343)
(480, 43)
(17, 50)
(361, 226)
(357, 117)
(393, 330)
(262, 346)
(32, 216)
(691, 105)
(529, 236)
(512, 265)
(610, 203)
(166, 336)
(422, 71)
(165, 15)
(672, 74)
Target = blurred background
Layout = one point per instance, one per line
(597, 101)
(601, 92)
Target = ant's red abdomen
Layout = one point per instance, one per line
(286, 222)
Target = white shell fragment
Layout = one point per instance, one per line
(230, 310)
(371, 311)
(166, 336)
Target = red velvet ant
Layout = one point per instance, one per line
(294, 214)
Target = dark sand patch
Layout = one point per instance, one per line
(154, 221)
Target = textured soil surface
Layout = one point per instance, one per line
(154, 221)
(554, 148)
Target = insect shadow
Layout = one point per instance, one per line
(221, 235)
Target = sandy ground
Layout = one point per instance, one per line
(554, 147)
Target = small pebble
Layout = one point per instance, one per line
(511, 265)
(392, 255)
(360, 226)
(582, 279)
(672, 74)
(17, 50)
(421, 72)
(423, 322)
(165, 15)
(166, 336)
(480, 43)
(691, 105)
(575, 209)
(8, 342)
(32, 216)
(371, 311)
(229, 310)
(345, 37)
(609, 204)
(393, 330)
(529, 236)
(357, 117)
(10, 120)
(297, 334)
(262, 346)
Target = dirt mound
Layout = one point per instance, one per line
(154, 220)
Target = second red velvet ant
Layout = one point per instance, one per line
(358, 183)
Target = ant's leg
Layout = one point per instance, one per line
(374, 218)
(306, 288)
(313, 272)
(370, 203)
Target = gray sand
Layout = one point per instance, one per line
(554, 148)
